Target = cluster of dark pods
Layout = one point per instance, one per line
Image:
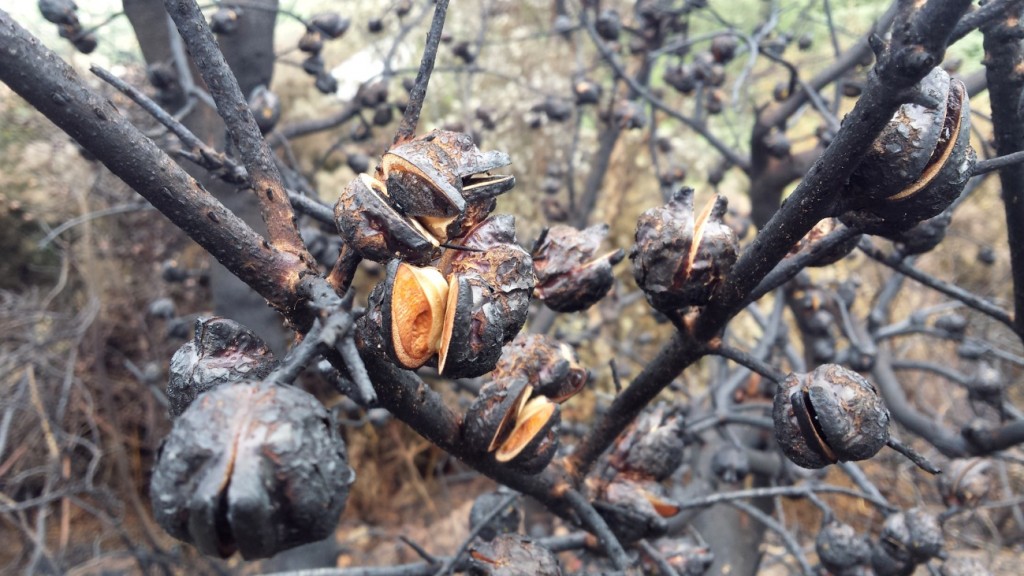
(460, 312)
(908, 539)
(424, 193)
(320, 28)
(918, 165)
(629, 492)
(515, 416)
(64, 13)
(680, 259)
(830, 415)
(571, 275)
(250, 466)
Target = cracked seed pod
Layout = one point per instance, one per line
(251, 466)
(473, 330)
(841, 550)
(914, 534)
(823, 228)
(330, 24)
(678, 260)
(512, 555)
(266, 108)
(830, 415)
(369, 224)
(918, 165)
(221, 351)
(489, 250)
(685, 556)
(550, 367)
(412, 313)
(570, 276)
(507, 521)
(653, 445)
(519, 427)
(730, 464)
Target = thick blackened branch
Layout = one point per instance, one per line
(1004, 62)
(51, 86)
(232, 106)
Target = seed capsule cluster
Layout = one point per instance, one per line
(460, 312)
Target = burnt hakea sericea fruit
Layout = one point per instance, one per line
(908, 538)
(918, 165)
(515, 417)
(830, 415)
(221, 351)
(841, 550)
(459, 314)
(679, 259)
(251, 466)
(419, 197)
(571, 276)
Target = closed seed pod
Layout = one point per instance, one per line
(369, 223)
(914, 535)
(330, 24)
(634, 507)
(679, 260)
(918, 165)
(512, 555)
(221, 351)
(254, 467)
(570, 275)
(652, 446)
(830, 415)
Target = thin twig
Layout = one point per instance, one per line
(411, 117)
(596, 524)
(449, 565)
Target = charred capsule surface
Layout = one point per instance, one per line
(679, 260)
(830, 415)
(571, 276)
(551, 367)
(841, 550)
(221, 351)
(918, 165)
(652, 446)
(254, 467)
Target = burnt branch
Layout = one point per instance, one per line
(411, 117)
(51, 86)
(264, 177)
(1003, 62)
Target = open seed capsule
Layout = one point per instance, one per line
(413, 312)
(370, 224)
(516, 425)
(679, 260)
(830, 415)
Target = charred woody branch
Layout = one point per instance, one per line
(743, 360)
